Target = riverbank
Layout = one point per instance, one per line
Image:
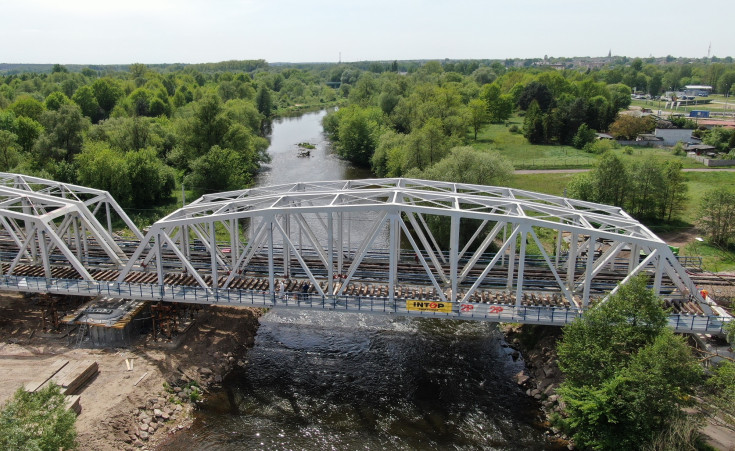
(141, 394)
(541, 378)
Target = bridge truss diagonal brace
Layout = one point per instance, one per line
(510, 240)
(427, 247)
(299, 258)
(362, 250)
(415, 247)
(646, 261)
(248, 252)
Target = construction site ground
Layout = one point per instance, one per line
(116, 400)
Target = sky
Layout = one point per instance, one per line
(199, 31)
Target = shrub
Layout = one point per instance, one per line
(38, 421)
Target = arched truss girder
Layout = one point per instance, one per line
(315, 221)
(49, 221)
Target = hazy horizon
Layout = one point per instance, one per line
(193, 31)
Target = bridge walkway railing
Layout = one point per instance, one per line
(545, 315)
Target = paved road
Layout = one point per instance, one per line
(574, 171)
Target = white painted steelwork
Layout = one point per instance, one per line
(286, 222)
(41, 217)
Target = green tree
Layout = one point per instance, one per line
(533, 124)
(499, 106)
(84, 97)
(717, 215)
(358, 133)
(37, 421)
(101, 167)
(538, 92)
(150, 179)
(28, 131)
(27, 106)
(209, 125)
(56, 99)
(611, 179)
(216, 170)
(263, 101)
(674, 190)
(467, 165)
(478, 114)
(140, 102)
(107, 92)
(626, 374)
(583, 136)
(646, 185)
(8, 150)
(63, 135)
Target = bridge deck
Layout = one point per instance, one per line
(493, 311)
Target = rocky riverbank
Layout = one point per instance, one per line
(542, 376)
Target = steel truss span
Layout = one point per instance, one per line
(402, 246)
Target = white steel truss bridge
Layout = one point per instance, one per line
(390, 246)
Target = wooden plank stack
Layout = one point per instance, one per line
(70, 376)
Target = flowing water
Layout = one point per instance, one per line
(321, 380)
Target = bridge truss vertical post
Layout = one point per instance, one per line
(511, 261)
(453, 255)
(287, 249)
(159, 257)
(558, 249)
(271, 271)
(392, 254)
(588, 270)
(340, 237)
(572, 261)
(330, 253)
(521, 264)
(44, 252)
(660, 262)
(213, 255)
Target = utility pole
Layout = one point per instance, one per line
(183, 195)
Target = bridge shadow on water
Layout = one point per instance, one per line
(322, 381)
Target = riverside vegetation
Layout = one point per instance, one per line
(142, 131)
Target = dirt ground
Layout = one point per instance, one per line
(121, 408)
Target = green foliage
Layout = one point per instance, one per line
(56, 99)
(101, 167)
(717, 215)
(37, 421)
(62, 137)
(596, 346)
(533, 124)
(9, 149)
(627, 375)
(467, 165)
(584, 136)
(84, 97)
(27, 106)
(217, 170)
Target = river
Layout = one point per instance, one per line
(321, 380)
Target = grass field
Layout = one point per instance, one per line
(523, 155)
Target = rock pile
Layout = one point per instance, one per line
(157, 413)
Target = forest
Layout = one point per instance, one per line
(140, 131)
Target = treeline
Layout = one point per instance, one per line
(649, 190)
(406, 123)
(134, 133)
